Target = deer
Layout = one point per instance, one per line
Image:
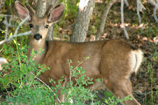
(113, 61)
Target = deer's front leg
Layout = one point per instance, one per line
(61, 84)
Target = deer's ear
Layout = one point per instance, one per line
(56, 13)
(22, 12)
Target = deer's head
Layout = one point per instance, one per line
(39, 25)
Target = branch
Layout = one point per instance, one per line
(103, 19)
(122, 20)
(154, 12)
(92, 97)
(48, 87)
(5, 22)
(126, 2)
(10, 38)
(140, 8)
(155, 4)
(152, 2)
(20, 25)
(15, 34)
(7, 25)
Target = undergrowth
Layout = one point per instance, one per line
(19, 77)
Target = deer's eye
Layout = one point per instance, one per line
(31, 25)
(47, 26)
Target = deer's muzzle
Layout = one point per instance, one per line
(37, 36)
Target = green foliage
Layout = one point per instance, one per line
(20, 75)
(77, 91)
(70, 12)
(10, 2)
(108, 94)
(151, 80)
(71, 7)
(28, 91)
(36, 95)
(1, 17)
(113, 101)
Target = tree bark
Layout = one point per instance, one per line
(50, 31)
(41, 8)
(80, 28)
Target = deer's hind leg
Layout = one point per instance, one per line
(121, 89)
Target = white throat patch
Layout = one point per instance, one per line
(38, 41)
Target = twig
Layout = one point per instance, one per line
(10, 38)
(140, 7)
(15, 34)
(6, 32)
(3, 41)
(152, 2)
(5, 15)
(122, 20)
(20, 25)
(126, 2)
(146, 93)
(154, 13)
(92, 97)
(23, 34)
(155, 4)
(6, 23)
(47, 87)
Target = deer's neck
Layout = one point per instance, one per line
(39, 47)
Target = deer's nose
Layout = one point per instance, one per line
(37, 36)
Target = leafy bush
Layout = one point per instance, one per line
(20, 75)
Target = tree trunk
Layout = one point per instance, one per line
(41, 8)
(50, 31)
(80, 28)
